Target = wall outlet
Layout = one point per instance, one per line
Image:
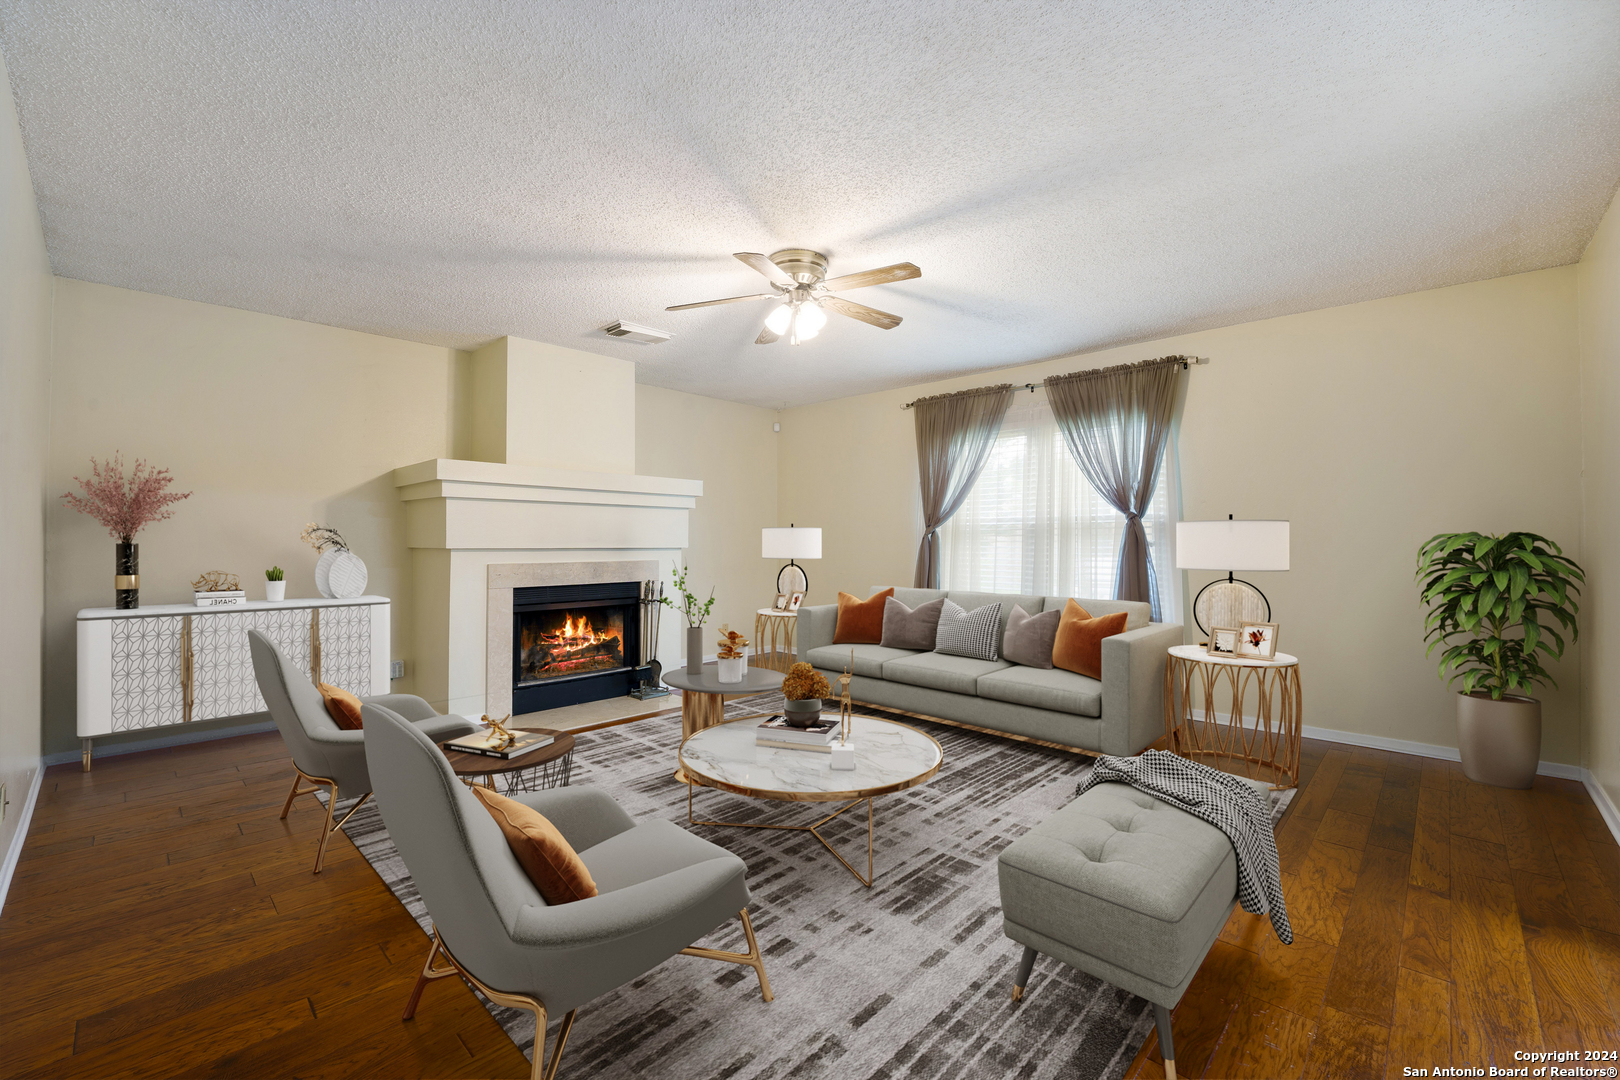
(396, 670)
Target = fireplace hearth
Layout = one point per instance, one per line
(574, 643)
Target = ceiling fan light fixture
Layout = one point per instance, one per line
(811, 319)
(777, 321)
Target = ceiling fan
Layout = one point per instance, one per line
(799, 277)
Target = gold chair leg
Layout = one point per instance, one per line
(752, 958)
(291, 795)
(429, 972)
(326, 831)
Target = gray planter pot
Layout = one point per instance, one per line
(694, 650)
(802, 713)
(1500, 741)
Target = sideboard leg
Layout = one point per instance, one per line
(86, 753)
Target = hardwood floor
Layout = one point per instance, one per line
(1436, 922)
(164, 922)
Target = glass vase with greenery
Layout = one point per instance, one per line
(1493, 604)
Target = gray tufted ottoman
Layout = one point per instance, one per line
(1124, 887)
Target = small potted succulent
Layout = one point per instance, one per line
(1487, 598)
(275, 585)
(732, 660)
(804, 688)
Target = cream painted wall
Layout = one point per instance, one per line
(270, 422)
(732, 449)
(25, 342)
(1371, 427)
(1598, 277)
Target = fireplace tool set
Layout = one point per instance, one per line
(652, 606)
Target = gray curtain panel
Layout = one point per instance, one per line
(1116, 422)
(955, 433)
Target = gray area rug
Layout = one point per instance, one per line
(909, 978)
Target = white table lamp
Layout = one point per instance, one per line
(790, 543)
(1231, 546)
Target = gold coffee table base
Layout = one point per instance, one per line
(870, 877)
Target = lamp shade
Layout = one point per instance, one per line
(1232, 545)
(790, 543)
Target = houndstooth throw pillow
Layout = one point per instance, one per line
(969, 633)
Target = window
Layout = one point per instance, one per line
(1033, 524)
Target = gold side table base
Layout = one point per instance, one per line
(1266, 744)
(870, 877)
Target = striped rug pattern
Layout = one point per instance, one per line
(908, 978)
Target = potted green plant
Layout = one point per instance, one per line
(1492, 604)
(275, 585)
(696, 612)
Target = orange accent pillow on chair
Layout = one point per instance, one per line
(860, 622)
(548, 858)
(1078, 645)
(343, 706)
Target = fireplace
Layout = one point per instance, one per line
(574, 643)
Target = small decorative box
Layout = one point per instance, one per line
(221, 599)
(843, 756)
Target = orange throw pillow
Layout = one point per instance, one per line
(344, 706)
(860, 622)
(548, 859)
(1078, 645)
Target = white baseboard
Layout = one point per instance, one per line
(20, 837)
(1605, 805)
(62, 757)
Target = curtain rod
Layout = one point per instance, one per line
(1187, 363)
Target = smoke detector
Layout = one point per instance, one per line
(629, 331)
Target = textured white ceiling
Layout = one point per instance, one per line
(1067, 175)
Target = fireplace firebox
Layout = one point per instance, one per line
(574, 643)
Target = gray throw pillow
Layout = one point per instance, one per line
(911, 628)
(969, 633)
(1029, 637)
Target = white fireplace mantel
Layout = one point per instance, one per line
(466, 521)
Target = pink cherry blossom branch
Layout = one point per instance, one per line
(125, 505)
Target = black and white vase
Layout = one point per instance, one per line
(127, 574)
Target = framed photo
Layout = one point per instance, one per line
(795, 598)
(1257, 641)
(1223, 641)
(781, 602)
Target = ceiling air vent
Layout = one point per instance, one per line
(631, 332)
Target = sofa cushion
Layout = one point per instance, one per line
(342, 706)
(1008, 601)
(912, 598)
(1138, 613)
(956, 674)
(975, 634)
(1028, 639)
(911, 628)
(1078, 645)
(860, 622)
(869, 659)
(545, 855)
(1048, 688)
(1124, 877)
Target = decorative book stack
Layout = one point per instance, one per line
(777, 732)
(490, 743)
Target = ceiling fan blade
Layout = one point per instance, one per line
(727, 300)
(766, 336)
(764, 266)
(880, 319)
(881, 276)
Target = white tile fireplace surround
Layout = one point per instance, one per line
(479, 529)
(504, 577)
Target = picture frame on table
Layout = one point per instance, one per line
(1257, 641)
(1223, 641)
(781, 603)
(795, 598)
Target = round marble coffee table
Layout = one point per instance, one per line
(889, 757)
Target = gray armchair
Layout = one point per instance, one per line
(323, 753)
(660, 888)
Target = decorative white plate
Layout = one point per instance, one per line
(340, 575)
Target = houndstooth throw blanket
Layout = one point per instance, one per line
(1224, 801)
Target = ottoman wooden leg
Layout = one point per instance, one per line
(1025, 966)
(1167, 1046)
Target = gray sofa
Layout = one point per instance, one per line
(1121, 714)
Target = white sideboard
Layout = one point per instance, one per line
(175, 663)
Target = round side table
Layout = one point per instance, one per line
(778, 628)
(546, 767)
(703, 701)
(1251, 711)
